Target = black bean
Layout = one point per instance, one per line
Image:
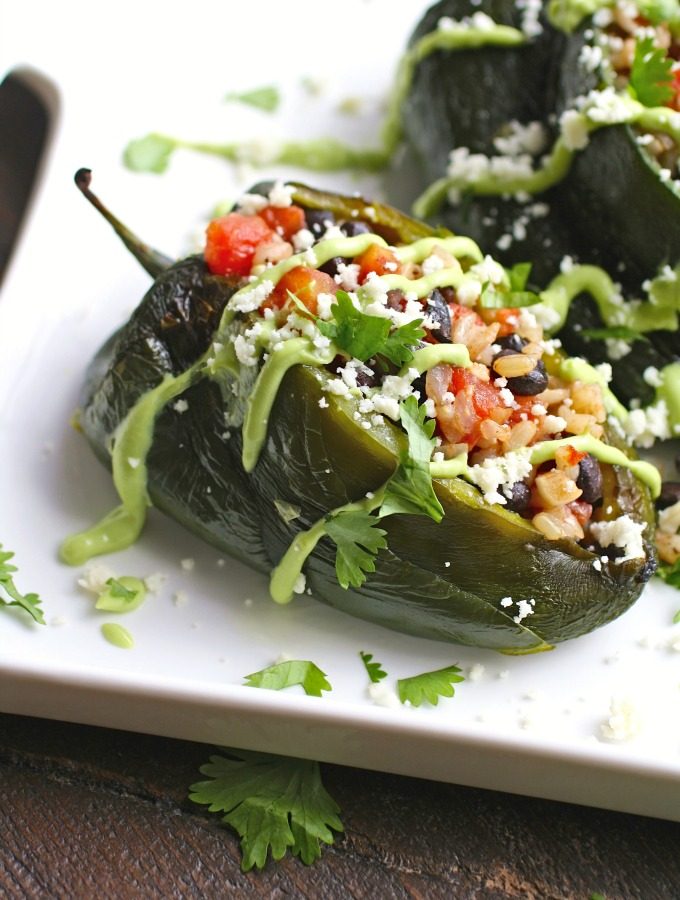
(438, 310)
(317, 220)
(519, 500)
(353, 227)
(331, 267)
(419, 385)
(366, 379)
(590, 480)
(670, 494)
(512, 342)
(395, 299)
(534, 382)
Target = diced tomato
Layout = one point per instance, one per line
(674, 102)
(305, 283)
(463, 312)
(581, 510)
(231, 242)
(284, 220)
(507, 319)
(572, 455)
(380, 260)
(484, 396)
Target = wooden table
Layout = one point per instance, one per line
(86, 812)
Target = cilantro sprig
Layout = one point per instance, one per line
(291, 672)
(363, 337)
(429, 686)
(614, 332)
(374, 669)
(516, 297)
(12, 596)
(409, 490)
(274, 803)
(651, 74)
(266, 98)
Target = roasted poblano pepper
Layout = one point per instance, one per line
(444, 580)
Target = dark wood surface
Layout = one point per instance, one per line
(87, 812)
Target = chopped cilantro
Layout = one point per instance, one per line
(28, 602)
(651, 74)
(274, 803)
(358, 539)
(150, 153)
(122, 594)
(267, 98)
(429, 686)
(518, 276)
(670, 574)
(494, 299)
(289, 673)
(374, 669)
(410, 490)
(615, 332)
(362, 337)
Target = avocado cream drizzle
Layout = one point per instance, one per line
(287, 572)
(556, 164)
(134, 436)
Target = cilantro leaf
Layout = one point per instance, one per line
(429, 686)
(410, 490)
(118, 590)
(493, 299)
(149, 154)
(397, 346)
(518, 276)
(274, 803)
(374, 669)
(358, 539)
(288, 673)
(265, 98)
(670, 574)
(650, 75)
(28, 602)
(362, 337)
(616, 332)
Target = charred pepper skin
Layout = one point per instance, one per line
(443, 581)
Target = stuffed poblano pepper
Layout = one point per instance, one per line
(551, 128)
(361, 406)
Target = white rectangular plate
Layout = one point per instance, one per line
(524, 724)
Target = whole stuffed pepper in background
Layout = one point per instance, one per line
(365, 407)
(561, 145)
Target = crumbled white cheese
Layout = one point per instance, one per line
(251, 204)
(623, 721)
(94, 578)
(303, 240)
(348, 276)
(617, 348)
(652, 376)
(433, 263)
(155, 582)
(188, 564)
(517, 139)
(489, 270)
(300, 584)
(501, 472)
(383, 695)
(623, 532)
(281, 194)
(245, 350)
(476, 672)
(249, 299)
(181, 406)
(669, 519)
(323, 403)
(134, 462)
(524, 608)
(469, 292)
(645, 426)
(181, 598)
(574, 129)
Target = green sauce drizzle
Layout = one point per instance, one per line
(117, 635)
(291, 353)
(555, 166)
(122, 526)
